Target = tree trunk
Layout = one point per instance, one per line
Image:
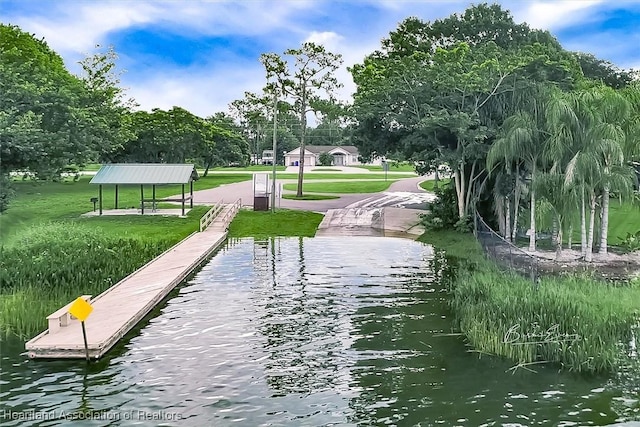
(516, 206)
(583, 226)
(554, 231)
(604, 226)
(303, 121)
(558, 238)
(570, 237)
(206, 169)
(592, 209)
(507, 221)
(532, 228)
(470, 188)
(499, 202)
(458, 178)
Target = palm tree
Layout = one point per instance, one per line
(523, 138)
(561, 199)
(591, 136)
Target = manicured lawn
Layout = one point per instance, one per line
(623, 219)
(252, 168)
(342, 175)
(393, 167)
(342, 187)
(430, 185)
(43, 202)
(463, 246)
(309, 197)
(282, 222)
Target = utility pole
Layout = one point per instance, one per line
(275, 156)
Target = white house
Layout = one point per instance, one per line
(343, 155)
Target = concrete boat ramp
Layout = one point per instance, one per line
(372, 221)
(117, 310)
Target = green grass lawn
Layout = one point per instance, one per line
(309, 197)
(342, 187)
(342, 175)
(430, 185)
(282, 222)
(43, 202)
(623, 219)
(393, 167)
(252, 168)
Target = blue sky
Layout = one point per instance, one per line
(201, 55)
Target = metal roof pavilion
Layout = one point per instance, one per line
(145, 173)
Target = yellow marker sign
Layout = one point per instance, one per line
(80, 309)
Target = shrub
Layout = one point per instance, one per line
(325, 159)
(443, 213)
(631, 242)
(6, 192)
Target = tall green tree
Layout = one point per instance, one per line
(310, 77)
(105, 103)
(439, 91)
(591, 133)
(41, 107)
(524, 137)
(223, 143)
(164, 137)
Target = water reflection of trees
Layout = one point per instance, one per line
(399, 365)
(299, 324)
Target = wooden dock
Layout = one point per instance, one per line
(117, 310)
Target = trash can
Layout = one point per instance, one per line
(261, 203)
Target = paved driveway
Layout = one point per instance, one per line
(402, 193)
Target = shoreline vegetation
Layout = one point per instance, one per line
(573, 321)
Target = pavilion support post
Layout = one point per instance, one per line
(142, 199)
(191, 194)
(154, 197)
(100, 197)
(182, 199)
(116, 196)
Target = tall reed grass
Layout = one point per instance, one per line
(577, 322)
(51, 264)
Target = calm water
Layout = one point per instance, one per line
(323, 331)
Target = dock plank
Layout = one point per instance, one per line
(118, 309)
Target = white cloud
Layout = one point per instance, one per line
(354, 30)
(198, 90)
(551, 15)
(78, 27)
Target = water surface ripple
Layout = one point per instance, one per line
(291, 331)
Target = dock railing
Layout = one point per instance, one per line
(228, 216)
(211, 215)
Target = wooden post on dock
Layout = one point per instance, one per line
(80, 309)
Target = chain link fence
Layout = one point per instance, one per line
(504, 253)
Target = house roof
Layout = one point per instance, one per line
(145, 173)
(317, 149)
